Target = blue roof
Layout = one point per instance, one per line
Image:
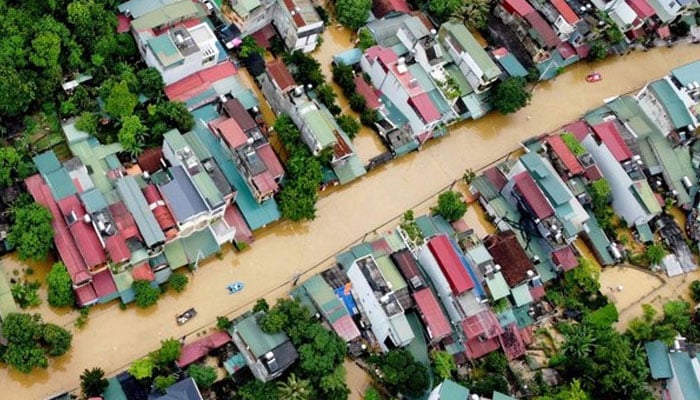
(687, 74)
(255, 214)
(181, 195)
(512, 66)
(350, 57)
(60, 183)
(46, 162)
(684, 374)
(183, 390)
(347, 300)
(657, 354)
(93, 200)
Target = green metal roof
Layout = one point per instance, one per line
(521, 295)
(391, 273)
(322, 295)
(482, 184)
(7, 302)
(522, 317)
(165, 50)
(93, 200)
(93, 157)
(552, 186)
(419, 73)
(440, 103)
(137, 205)
(123, 280)
(501, 396)
(426, 226)
(479, 254)
(114, 390)
(208, 189)
(450, 390)
(684, 375)
(244, 7)
(498, 286)
(688, 73)
(46, 162)
(166, 14)
(200, 245)
(512, 66)
(60, 183)
(197, 146)
(466, 41)
(672, 103)
(175, 139)
(645, 233)
(647, 197)
(599, 240)
(442, 225)
(320, 127)
(677, 164)
(657, 355)
(175, 254)
(258, 341)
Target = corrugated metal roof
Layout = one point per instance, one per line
(564, 154)
(436, 324)
(508, 253)
(549, 182)
(687, 74)
(610, 136)
(424, 107)
(544, 31)
(348, 57)
(83, 233)
(234, 109)
(136, 204)
(449, 390)
(175, 254)
(497, 286)
(450, 264)
(684, 373)
(46, 162)
(468, 43)
(320, 127)
(258, 341)
(200, 245)
(657, 355)
(60, 183)
(511, 64)
(391, 273)
(181, 195)
(566, 12)
(521, 7)
(280, 74)
(162, 15)
(599, 240)
(532, 195)
(565, 258)
(672, 103)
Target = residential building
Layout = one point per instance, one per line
(267, 356)
(534, 31)
(449, 390)
(623, 15)
(676, 367)
(379, 304)
(183, 390)
(205, 86)
(669, 107)
(515, 265)
(298, 24)
(251, 16)
(200, 348)
(437, 326)
(389, 8)
(7, 302)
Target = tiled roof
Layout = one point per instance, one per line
(267, 154)
(435, 321)
(280, 74)
(235, 110)
(564, 154)
(508, 253)
(532, 195)
(117, 249)
(425, 107)
(521, 7)
(365, 90)
(512, 342)
(382, 8)
(565, 11)
(83, 233)
(610, 136)
(544, 30)
(192, 352)
(450, 264)
(565, 258)
(199, 82)
(230, 131)
(149, 160)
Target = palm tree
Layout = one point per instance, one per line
(93, 382)
(474, 13)
(294, 389)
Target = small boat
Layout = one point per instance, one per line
(235, 287)
(185, 316)
(594, 77)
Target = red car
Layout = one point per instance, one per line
(593, 77)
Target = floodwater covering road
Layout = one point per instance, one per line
(114, 338)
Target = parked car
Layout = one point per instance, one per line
(185, 316)
(208, 6)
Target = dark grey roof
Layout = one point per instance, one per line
(218, 177)
(137, 205)
(183, 390)
(285, 355)
(181, 195)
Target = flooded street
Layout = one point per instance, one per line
(113, 338)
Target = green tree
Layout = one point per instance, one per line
(163, 382)
(150, 82)
(32, 233)
(87, 122)
(573, 391)
(145, 294)
(443, 9)
(26, 294)
(178, 282)
(443, 364)
(16, 92)
(583, 281)
(357, 102)
(56, 340)
(680, 28)
(473, 13)
(169, 352)
(510, 95)
(223, 323)
(402, 373)
(600, 193)
(372, 394)
(365, 39)
(333, 386)
(60, 286)
(496, 362)
(170, 114)
(695, 290)
(326, 95)
(25, 358)
(655, 253)
(249, 47)
(23, 333)
(599, 50)
(489, 383)
(13, 166)
(93, 382)
(451, 206)
(322, 353)
(349, 125)
(273, 322)
(261, 305)
(120, 102)
(678, 314)
(306, 70)
(131, 134)
(142, 368)
(295, 388)
(203, 375)
(256, 390)
(573, 144)
(46, 48)
(344, 76)
(352, 13)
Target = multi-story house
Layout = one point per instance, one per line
(298, 24)
(534, 31)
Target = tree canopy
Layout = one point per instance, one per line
(443, 9)
(352, 13)
(203, 375)
(131, 134)
(145, 294)
(32, 233)
(178, 282)
(169, 352)
(510, 95)
(402, 373)
(60, 286)
(93, 382)
(30, 341)
(13, 166)
(451, 205)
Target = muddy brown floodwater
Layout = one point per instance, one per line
(113, 338)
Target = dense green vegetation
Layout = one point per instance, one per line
(451, 206)
(31, 233)
(60, 286)
(30, 341)
(145, 294)
(510, 95)
(352, 13)
(93, 382)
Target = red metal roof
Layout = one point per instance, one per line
(192, 352)
(406, 264)
(386, 55)
(512, 342)
(230, 131)
(382, 8)
(271, 160)
(436, 323)
(83, 233)
(264, 35)
(280, 74)
(346, 328)
(234, 109)
(537, 292)
(160, 210)
(103, 283)
(149, 160)
(296, 16)
(592, 173)
(556, 143)
(610, 136)
(233, 217)
(583, 50)
(543, 29)
(85, 294)
(425, 107)
(484, 324)
(532, 195)
(496, 178)
(381, 247)
(450, 265)
(521, 7)
(579, 129)
(476, 349)
(199, 82)
(341, 147)
(124, 220)
(143, 273)
(117, 249)
(123, 23)
(566, 50)
(565, 258)
(663, 32)
(565, 11)
(642, 8)
(265, 183)
(507, 252)
(365, 90)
